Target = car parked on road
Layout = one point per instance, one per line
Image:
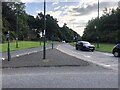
(84, 45)
(116, 50)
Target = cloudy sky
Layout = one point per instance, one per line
(75, 13)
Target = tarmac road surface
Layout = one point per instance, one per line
(100, 58)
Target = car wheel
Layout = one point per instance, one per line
(92, 50)
(116, 54)
(76, 48)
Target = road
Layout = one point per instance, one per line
(100, 58)
(60, 77)
(96, 75)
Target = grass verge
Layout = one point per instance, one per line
(103, 47)
(22, 45)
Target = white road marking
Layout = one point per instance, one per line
(26, 53)
(108, 54)
(87, 56)
(17, 55)
(3, 58)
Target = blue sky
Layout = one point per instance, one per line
(75, 13)
(33, 8)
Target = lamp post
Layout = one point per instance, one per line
(8, 38)
(17, 26)
(98, 8)
(44, 32)
(52, 41)
(98, 28)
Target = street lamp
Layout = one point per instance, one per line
(52, 41)
(98, 28)
(17, 23)
(17, 26)
(98, 8)
(44, 32)
(8, 38)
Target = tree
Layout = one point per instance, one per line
(14, 17)
(107, 27)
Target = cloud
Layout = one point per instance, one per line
(56, 14)
(56, 8)
(76, 16)
(88, 9)
(71, 20)
(55, 3)
(30, 1)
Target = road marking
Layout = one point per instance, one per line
(3, 58)
(87, 56)
(21, 54)
(17, 55)
(108, 54)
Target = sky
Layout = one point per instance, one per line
(75, 13)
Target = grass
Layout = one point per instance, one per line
(103, 47)
(72, 43)
(22, 45)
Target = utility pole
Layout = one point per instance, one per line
(44, 32)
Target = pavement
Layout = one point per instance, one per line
(53, 58)
(26, 51)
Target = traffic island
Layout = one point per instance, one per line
(54, 58)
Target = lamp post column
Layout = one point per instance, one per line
(98, 28)
(44, 47)
(8, 37)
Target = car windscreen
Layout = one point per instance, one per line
(86, 43)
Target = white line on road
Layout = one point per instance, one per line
(87, 56)
(3, 58)
(17, 55)
(108, 54)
